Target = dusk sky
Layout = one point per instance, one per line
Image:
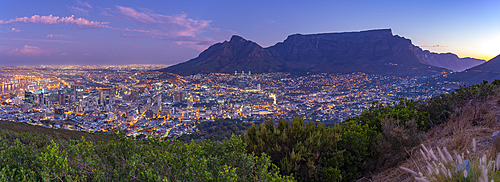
(169, 32)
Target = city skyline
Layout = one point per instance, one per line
(116, 32)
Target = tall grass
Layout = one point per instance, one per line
(440, 165)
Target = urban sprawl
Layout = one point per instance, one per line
(142, 101)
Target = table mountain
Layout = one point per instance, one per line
(373, 51)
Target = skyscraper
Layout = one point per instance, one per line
(101, 98)
(79, 89)
(158, 101)
(62, 99)
(29, 97)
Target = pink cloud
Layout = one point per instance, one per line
(29, 51)
(174, 25)
(433, 46)
(63, 54)
(15, 30)
(179, 29)
(86, 54)
(57, 35)
(78, 10)
(136, 30)
(86, 4)
(81, 22)
(132, 13)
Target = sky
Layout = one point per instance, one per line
(64, 32)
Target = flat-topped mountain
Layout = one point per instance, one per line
(373, 52)
(447, 60)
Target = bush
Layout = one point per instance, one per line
(404, 110)
(440, 107)
(396, 138)
(358, 144)
(305, 150)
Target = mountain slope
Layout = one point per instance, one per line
(488, 71)
(236, 55)
(373, 51)
(447, 60)
(492, 65)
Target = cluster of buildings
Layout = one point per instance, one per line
(148, 103)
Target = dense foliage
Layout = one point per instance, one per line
(35, 157)
(440, 107)
(218, 130)
(303, 149)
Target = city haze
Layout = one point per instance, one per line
(159, 32)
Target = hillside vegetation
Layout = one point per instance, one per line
(369, 147)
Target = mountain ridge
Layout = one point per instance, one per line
(372, 51)
(488, 71)
(447, 60)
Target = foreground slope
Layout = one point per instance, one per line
(476, 120)
(373, 51)
(52, 155)
(57, 133)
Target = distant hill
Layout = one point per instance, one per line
(447, 60)
(373, 52)
(488, 71)
(493, 65)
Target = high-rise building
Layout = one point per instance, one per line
(79, 89)
(158, 101)
(101, 98)
(178, 97)
(29, 97)
(62, 96)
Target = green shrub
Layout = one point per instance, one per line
(440, 107)
(396, 138)
(305, 150)
(32, 157)
(359, 146)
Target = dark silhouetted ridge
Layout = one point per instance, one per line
(372, 51)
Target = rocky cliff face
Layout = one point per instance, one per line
(447, 60)
(374, 51)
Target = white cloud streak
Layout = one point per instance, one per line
(80, 22)
(85, 4)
